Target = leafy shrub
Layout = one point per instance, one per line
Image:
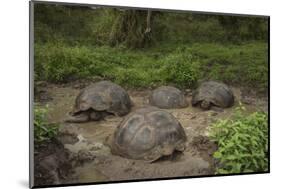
(181, 69)
(43, 131)
(61, 63)
(242, 143)
(130, 77)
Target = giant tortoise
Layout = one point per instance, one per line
(167, 97)
(147, 134)
(98, 100)
(212, 93)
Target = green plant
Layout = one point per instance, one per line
(43, 130)
(245, 64)
(181, 69)
(242, 142)
(173, 63)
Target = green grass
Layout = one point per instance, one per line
(180, 65)
(243, 65)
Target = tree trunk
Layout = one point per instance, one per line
(132, 28)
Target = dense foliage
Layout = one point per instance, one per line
(92, 42)
(181, 65)
(242, 143)
(43, 130)
(94, 25)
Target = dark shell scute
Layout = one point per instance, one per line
(144, 140)
(126, 134)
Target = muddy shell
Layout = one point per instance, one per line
(167, 97)
(98, 100)
(214, 94)
(148, 133)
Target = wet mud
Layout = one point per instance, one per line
(94, 161)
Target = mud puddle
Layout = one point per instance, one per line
(195, 160)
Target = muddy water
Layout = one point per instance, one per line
(108, 167)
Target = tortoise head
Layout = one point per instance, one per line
(206, 105)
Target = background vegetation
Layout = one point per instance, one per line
(91, 42)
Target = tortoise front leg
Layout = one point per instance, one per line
(79, 118)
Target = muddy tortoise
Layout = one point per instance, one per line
(147, 134)
(167, 97)
(98, 100)
(213, 94)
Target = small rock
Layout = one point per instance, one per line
(96, 146)
(246, 100)
(85, 156)
(81, 138)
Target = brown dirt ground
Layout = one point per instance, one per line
(103, 166)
